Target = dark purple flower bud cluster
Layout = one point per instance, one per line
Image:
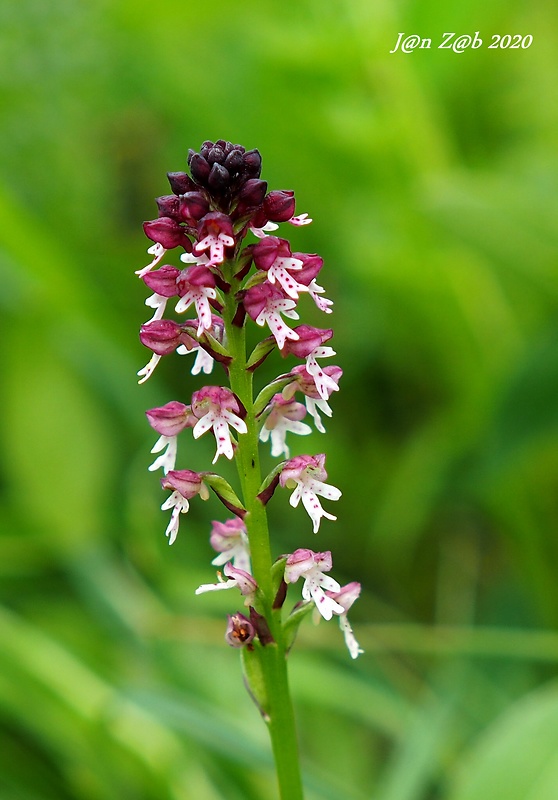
(224, 168)
(229, 283)
(225, 180)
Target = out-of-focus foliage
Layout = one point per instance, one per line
(432, 181)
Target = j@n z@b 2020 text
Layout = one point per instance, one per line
(460, 43)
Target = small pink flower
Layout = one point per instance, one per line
(311, 266)
(197, 285)
(203, 361)
(279, 205)
(238, 578)
(192, 206)
(168, 233)
(345, 597)
(306, 474)
(163, 280)
(311, 566)
(240, 631)
(306, 383)
(163, 283)
(184, 484)
(215, 232)
(274, 256)
(309, 345)
(230, 540)
(265, 303)
(216, 408)
(163, 336)
(284, 416)
(168, 421)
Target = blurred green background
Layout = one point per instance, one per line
(431, 178)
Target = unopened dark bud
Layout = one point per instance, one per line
(192, 207)
(240, 631)
(253, 192)
(252, 163)
(219, 178)
(259, 219)
(216, 155)
(181, 183)
(167, 231)
(162, 336)
(167, 205)
(279, 206)
(234, 161)
(199, 168)
(205, 148)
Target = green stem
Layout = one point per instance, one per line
(281, 722)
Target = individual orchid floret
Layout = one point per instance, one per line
(238, 578)
(188, 206)
(306, 474)
(345, 597)
(163, 283)
(311, 266)
(311, 566)
(284, 416)
(184, 484)
(250, 197)
(168, 206)
(230, 540)
(240, 631)
(168, 421)
(157, 251)
(204, 361)
(197, 285)
(309, 345)
(168, 233)
(163, 336)
(306, 383)
(181, 182)
(215, 232)
(192, 206)
(274, 256)
(265, 303)
(163, 280)
(279, 205)
(216, 408)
